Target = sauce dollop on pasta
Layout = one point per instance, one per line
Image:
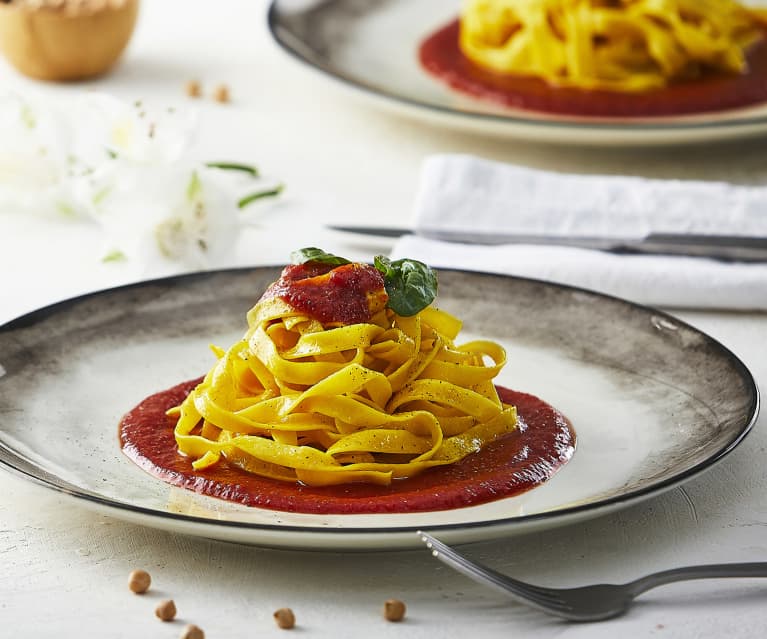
(337, 295)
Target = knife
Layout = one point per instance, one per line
(722, 247)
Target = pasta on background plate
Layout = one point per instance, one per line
(617, 45)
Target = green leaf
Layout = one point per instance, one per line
(410, 284)
(312, 254)
(234, 166)
(258, 195)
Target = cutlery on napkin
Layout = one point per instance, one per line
(726, 247)
(461, 194)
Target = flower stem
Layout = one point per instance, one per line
(233, 166)
(248, 199)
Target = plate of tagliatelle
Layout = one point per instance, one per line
(630, 72)
(339, 406)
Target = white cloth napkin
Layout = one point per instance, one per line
(467, 193)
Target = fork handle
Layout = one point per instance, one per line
(711, 571)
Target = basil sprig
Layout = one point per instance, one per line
(411, 285)
(311, 254)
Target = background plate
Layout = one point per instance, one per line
(653, 402)
(370, 46)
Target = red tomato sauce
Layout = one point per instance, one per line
(347, 294)
(543, 442)
(441, 56)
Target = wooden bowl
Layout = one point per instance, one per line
(68, 41)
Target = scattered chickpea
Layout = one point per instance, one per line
(221, 94)
(285, 618)
(192, 632)
(394, 610)
(166, 610)
(139, 581)
(193, 89)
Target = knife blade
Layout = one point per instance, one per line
(721, 247)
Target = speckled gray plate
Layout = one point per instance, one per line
(370, 48)
(653, 401)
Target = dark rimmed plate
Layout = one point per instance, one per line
(654, 402)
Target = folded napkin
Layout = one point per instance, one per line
(463, 193)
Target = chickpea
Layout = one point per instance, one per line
(139, 581)
(285, 618)
(193, 89)
(221, 94)
(166, 610)
(394, 610)
(192, 632)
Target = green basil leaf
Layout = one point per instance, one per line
(312, 254)
(384, 266)
(410, 284)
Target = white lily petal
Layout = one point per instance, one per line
(150, 216)
(122, 165)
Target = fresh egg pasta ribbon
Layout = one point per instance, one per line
(618, 45)
(296, 400)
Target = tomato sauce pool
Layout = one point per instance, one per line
(441, 56)
(542, 443)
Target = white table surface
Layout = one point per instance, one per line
(63, 569)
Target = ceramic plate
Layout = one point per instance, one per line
(370, 47)
(653, 402)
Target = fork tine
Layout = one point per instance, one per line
(451, 557)
(543, 597)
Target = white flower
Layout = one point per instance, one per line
(36, 166)
(174, 218)
(137, 132)
(122, 165)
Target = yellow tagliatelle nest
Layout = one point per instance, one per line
(619, 45)
(369, 402)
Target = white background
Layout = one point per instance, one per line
(64, 569)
